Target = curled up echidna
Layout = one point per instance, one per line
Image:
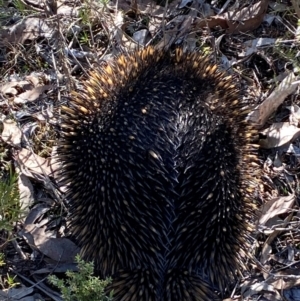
(156, 155)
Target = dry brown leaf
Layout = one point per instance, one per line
(238, 21)
(19, 293)
(11, 87)
(58, 249)
(66, 10)
(279, 134)
(275, 207)
(33, 79)
(8, 88)
(182, 24)
(144, 7)
(262, 112)
(29, 28)
(271, 296)
(252, 46)
(266, 251)
(257, 288)
(248, 18)
(285, 279)
(32, 94)
(295, 114)
(26, 191)
(34, 162)
(265, 254)
(11, 134)
(296, 5)
(38, 211)
(53, 7)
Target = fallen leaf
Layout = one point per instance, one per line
(267, 249)
(11, 87)
(275, 207)
(26, 192)
(295, 114)
(29, 28)
(261, 113)
(252, 46)
(34, 162)
(58, 249)
(279, 134)
(33, 79)
(285, 279)
(32, 94)
(19, 293)
(240, 20)
(37, 212)
(256, 288)
(11, 134)
(248, 18)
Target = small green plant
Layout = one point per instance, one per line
(10, 281)
(4, 12)
(287, 53)
(83, 285)
(84, 15)
(20, 6)
(10, 210)
(104, 2)
(84, 38)
(2, 260)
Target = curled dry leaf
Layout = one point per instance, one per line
(58, 249)
(267, 248)
(26, 192)
(11, 134)
(275, 207)
(53, 7)
(265, 252)
(8, 89)
(33, 79)
(262, 112)
(34, 162)
(67, 10)
(11, 88)
(145, 7)
(183, 25)
(32, 94)
(279, 134)
(38, 211)
(252, 46)
(29, 28)
(295, 114)
(19, 293)
(240, 20)
(256, 288)
(285, 279)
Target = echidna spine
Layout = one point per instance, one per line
(156, 151)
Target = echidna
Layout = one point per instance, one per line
(156, 154)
